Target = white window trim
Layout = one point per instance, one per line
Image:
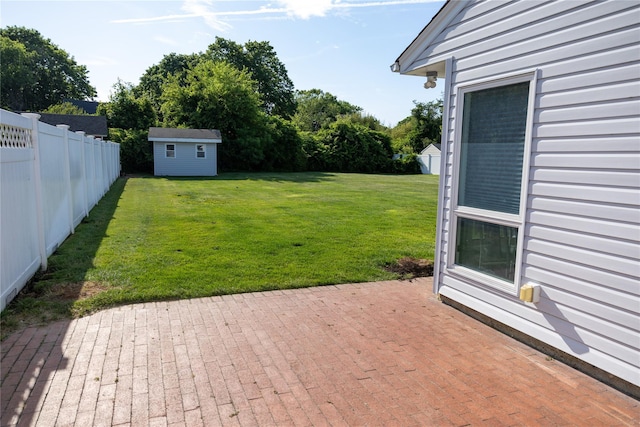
(204, 150)
(500, 218)
(166, 149)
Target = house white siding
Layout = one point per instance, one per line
(185, 162)
(581, 240)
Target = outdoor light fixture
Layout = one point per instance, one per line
(432, 76)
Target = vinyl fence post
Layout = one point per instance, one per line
(37, 178)
(67, 174)
(94, 186)
(102, 164)
(85, 204)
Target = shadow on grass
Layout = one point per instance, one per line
(50, 294)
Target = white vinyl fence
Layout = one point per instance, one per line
(50, 178)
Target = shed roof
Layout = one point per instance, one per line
(433, 148)
(184, 135)
(91, 125)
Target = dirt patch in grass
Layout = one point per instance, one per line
(35, 306)
(76, 291)
(409, 267)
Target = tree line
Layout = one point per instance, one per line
(241, 89)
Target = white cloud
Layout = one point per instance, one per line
(307, 8)
(303, 9)
(204, 9)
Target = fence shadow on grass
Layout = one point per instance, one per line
(37, 360)
(69, 265)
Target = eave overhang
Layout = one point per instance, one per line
(408, 63)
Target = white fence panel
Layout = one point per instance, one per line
(19, 247)
(89, 167)
(50, 179)
(76, 178)
(55, 198)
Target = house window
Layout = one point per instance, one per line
(489, 192)
(201, 151)
(487, 248)
(170, 150)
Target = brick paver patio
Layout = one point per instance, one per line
(378, 354)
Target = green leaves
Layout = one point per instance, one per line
(28, 58)
(136, 152)
(351, 147)
(216, 95)
(260, 60)
(427, 118)
(126, 111)
(318, 109)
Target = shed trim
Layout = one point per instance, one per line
(187, 140)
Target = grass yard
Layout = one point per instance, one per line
(169, 238)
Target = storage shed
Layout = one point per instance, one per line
(429, 160)
(185, 152)
(539, 206)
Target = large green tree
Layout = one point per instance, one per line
(270, 74)
(172, 66)
(129, 118)
(317, 109)
(66, 108)
(427, 119)
(125, 110)
(15, 74)
(216, 95)
(36, 73)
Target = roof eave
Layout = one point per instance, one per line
(191, 140)
(405, 64)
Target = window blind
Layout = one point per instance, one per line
(492, 149)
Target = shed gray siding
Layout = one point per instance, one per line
(185, 162)
(582, 220)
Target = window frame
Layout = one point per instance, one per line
(204, 150)
(492, 217)
(166, 150)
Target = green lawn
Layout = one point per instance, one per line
(168, 238)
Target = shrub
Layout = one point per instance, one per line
(408, 164)
(136, 152)
(283, 150)
(350, 147)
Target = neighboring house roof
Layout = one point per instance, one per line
(91, 125)
(89, 106)
(184, 135)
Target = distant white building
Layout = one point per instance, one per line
(539, 206)
(429, 160)
(185, 152)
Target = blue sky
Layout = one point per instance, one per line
(344, 47)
